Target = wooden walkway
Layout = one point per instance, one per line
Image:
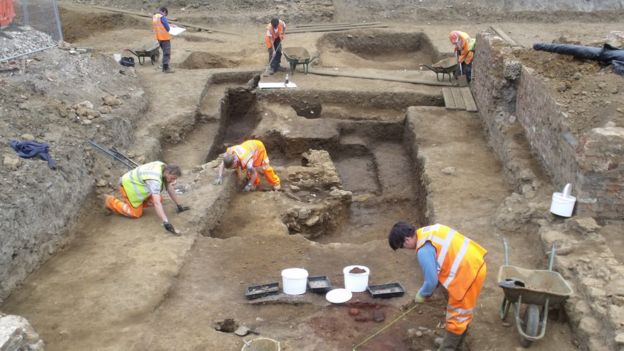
(459, 99)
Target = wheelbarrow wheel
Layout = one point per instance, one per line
(531, 324)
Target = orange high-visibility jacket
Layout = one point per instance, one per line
(274, 33)
(464, 44)
(249, 150)
(159, 30)
(459, 258)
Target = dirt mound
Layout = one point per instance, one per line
(200, 60)
(591, 93)
(80, 24)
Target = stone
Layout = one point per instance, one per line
(379, 316)
(449, 170)
(27, 137)
(619, 339)
(101, 183)
(16, 333)
(11, 162)
(312, 221)
(583, 225)
(105, 109)
(112, 101)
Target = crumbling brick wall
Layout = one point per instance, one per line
(508, 94)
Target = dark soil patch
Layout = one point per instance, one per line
(202, 60)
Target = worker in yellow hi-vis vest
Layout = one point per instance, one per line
(141, 188)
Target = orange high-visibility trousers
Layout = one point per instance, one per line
(459, 312)
(124, 207)
(269, 174)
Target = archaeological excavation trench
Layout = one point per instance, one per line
(353, 157)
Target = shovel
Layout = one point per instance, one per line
(268, 69)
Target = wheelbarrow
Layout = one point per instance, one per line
(152, 51)
(539, 290)
(446, 66)
(298, 56)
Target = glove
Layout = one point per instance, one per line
(218, 181)
(182, 208)
(419, 298)
(169, 227)
(248, 188)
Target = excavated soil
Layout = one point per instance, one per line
(591, 93)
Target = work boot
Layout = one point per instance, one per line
(451, 342)
(167, 69)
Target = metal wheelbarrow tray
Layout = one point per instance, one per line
(533, 286)
(152, 51)
(298, 56)
(446, 66)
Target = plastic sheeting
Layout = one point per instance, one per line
(608, 55)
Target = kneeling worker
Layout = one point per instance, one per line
(250, 156)
(452, 260)
(141, 187)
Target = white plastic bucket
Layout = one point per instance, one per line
(356, 282)
(563, 203)
(294, 281)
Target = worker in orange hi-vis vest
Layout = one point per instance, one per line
(160, 27)
(464, 49)
(452, 260)
(251, 157)
(7, 13)
(273, 38)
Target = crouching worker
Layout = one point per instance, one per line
(141, 188)
(446, 257)
(250, 156)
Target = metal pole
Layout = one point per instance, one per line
(25, 13)
(57, 19)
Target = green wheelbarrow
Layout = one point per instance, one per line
(444, 67)
(152, 51)
(539, 290)
(298, 56)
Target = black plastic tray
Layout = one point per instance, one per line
(386, 290)
(319, 284)
(258, 291)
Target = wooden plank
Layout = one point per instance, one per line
(376, 77)
(449, 101)
(333, 29)
(459, 100)
(501, 33)
(469, 102)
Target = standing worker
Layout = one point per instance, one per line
(273, 39)
(452, 260)
(464, 50)
(250, 156)
(141, 187)
(160, 26)
(7, 13)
